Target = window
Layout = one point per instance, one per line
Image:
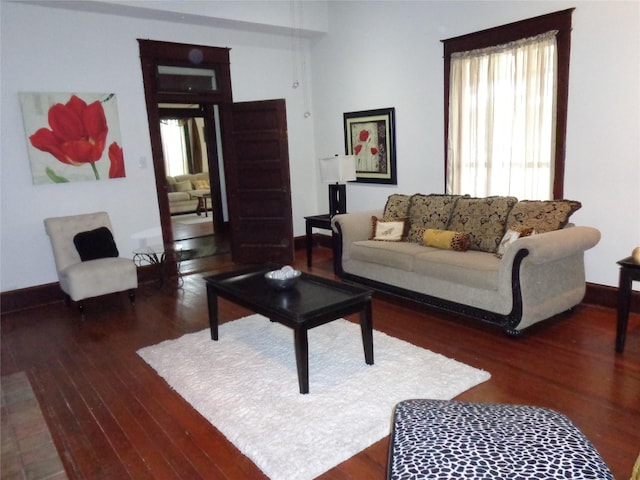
(182, 146)
(505, 109)
(174, 146)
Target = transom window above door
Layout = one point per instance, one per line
(171, 78)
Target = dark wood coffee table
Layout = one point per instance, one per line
(311, 302)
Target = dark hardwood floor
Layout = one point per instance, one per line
(112, 417)
(183, 231)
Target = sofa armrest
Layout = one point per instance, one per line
(534, 266)
(551, 246)
(352, 227)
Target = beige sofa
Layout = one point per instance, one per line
(514, 282)
(181, 190)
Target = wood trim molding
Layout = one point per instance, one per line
(39, 295)
(560, 21)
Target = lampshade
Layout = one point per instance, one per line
(337, 169)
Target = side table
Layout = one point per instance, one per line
(202, 203)
(629, 271)
(158, 257)
(315, 221)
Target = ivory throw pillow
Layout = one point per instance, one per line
(446, 239)
(515, 232)
(388, 230)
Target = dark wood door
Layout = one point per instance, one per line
(258, 183)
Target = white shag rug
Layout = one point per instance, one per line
(246, 384)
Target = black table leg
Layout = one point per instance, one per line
(366, 326)
(302, 358)
(212, 302)
(309, 238)
(624, 299)
(314, 221)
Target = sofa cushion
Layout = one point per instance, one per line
(179, 196)
(94, 244)
(446, 239)
(387, 229)
(429, 211)
(543, 215)
(485, 219)
(473, 268)
(184, 186)
(397, 206)
(391, 254)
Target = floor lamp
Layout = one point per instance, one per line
(335, 171)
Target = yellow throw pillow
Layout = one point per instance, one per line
(446, 239)
(387, 230)
(201, 185)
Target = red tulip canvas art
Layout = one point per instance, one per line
(72, 137)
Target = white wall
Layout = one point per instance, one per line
(389, 54)
(376, 54)
(57, 50)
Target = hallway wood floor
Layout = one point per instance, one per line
(111, 417)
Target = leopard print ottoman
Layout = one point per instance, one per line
(435, 439)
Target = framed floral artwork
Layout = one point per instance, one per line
(370, 136)
(72, 137)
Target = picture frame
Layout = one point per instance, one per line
(370, 137)
(72, 136)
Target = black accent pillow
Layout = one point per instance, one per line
(95, 244)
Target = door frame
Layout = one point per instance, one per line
(154, 53)
(206, 112)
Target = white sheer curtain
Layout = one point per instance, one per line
(502, 119)
(174, 147)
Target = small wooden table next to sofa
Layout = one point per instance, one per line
(629, 271)
(311, 222)
(202, 202)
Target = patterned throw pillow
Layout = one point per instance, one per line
(446, 239)
(387, 229)
(397, 206)
(543, 215)
(429, 211)
(484, 219)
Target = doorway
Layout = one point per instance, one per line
(249, 139)
(189, 85)
(189, 136)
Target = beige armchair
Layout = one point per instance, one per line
(87, 258)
